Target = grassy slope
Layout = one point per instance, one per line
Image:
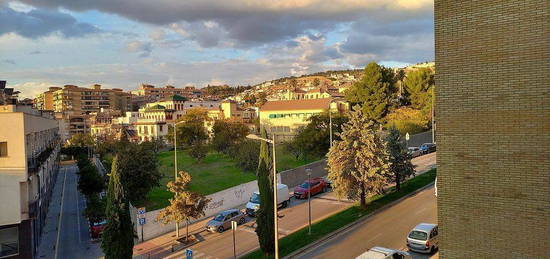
(215, 173)
(324, 227)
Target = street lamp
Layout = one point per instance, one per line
(330, 119)
(308, 172)
(176, 169)
(275, 214)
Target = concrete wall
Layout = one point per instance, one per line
(296, 176)
(493, 131)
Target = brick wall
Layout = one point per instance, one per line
(493, 107)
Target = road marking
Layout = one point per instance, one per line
(78, 215)
(60, 214)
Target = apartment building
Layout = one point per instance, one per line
(284, 118)
(85, 100)
(44, 101)
(71, 123)
(166, 92)
(29, 149)
(232, 111)
(493, 107)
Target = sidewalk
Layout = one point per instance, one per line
(46, 249)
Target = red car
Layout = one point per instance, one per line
(97, 228)
(315, 186)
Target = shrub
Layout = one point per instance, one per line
(408, 120)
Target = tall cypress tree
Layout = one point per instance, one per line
(265, 219)
(118, 235)
(373, 92)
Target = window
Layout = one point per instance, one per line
(160, 126)
(3, 149)
(9, 241)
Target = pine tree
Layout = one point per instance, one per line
(399, 157)
(118, 235)
(359, 161)
(418, 85)
(373, 92)
(264, 216)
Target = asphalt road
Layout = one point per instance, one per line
(66, 230)
(387, 229)
(220, 245)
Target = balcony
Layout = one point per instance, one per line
(35, 161)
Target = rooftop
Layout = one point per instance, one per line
(310, 104)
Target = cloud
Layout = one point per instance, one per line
(248, 22)
(9, 61)
(38, 23)
(35, 52)
(143, 48)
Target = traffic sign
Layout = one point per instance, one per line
(188, 254)
(141, 211)
(407, 137)
(234, 225)
(142, 221)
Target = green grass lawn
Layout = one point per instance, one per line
(326, 226)
(215, 173)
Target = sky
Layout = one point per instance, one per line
(123, 43)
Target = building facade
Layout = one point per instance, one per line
(85, 100)
(159, 93)
(29, 163)
(44, 101)
(493, 131)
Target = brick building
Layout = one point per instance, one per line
(493, 107)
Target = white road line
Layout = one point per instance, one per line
(60, 214)
(78, 215)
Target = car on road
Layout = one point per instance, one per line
(427, 148)
(384, 253)
(328, 181)
(97, 228)
(283, 199)
(423, 238)
(222, 221)
(311, 187)
(415, 151)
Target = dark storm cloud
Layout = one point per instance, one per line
(42, 22)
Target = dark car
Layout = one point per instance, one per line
(97, 228)
(222, 221)
(427, 148)
(315, 186)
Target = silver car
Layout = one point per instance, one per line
(222, 221)
(423, 238)
(414, 151)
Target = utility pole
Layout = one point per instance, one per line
(308, 171)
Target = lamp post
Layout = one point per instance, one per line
(275, 214)
(176, 169)
(308, 172)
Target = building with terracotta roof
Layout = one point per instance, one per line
(284, 118)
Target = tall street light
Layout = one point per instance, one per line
(330, 119)
(308, 172)
(176, 169)
(275, 214)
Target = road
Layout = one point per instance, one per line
(387, 229)
(66, 230)
(216, 245)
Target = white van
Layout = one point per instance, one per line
(283, 199)
(384, 253)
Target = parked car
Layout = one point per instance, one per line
(97, 228)
(427, 148)
(415, 151)
(283, 199)
(222, 221)
(313, 186)
(384, 253)
(329, 182)
(423, 238)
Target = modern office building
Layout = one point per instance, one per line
(29, 147)
(493, 137)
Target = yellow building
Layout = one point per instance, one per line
(44, 101)
(284, 118)
(29, 148)
(232, 111)
(84, 100)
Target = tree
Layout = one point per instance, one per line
(399, 157)
(198, 151)
(90, 181)
(373, 92)
(81, 140)
(246, 154)
(316, 82)
(118, 234)
(407, 120)
(95, 209)
(192, 129)
(138, 168)
(228, 133)
(359, 160)
(418, 84)
(264, 217)
(184, 205)
(314, 139)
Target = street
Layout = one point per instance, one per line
(66, 230)
(220, 245)
(387, 229)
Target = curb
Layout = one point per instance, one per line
(350, 226)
